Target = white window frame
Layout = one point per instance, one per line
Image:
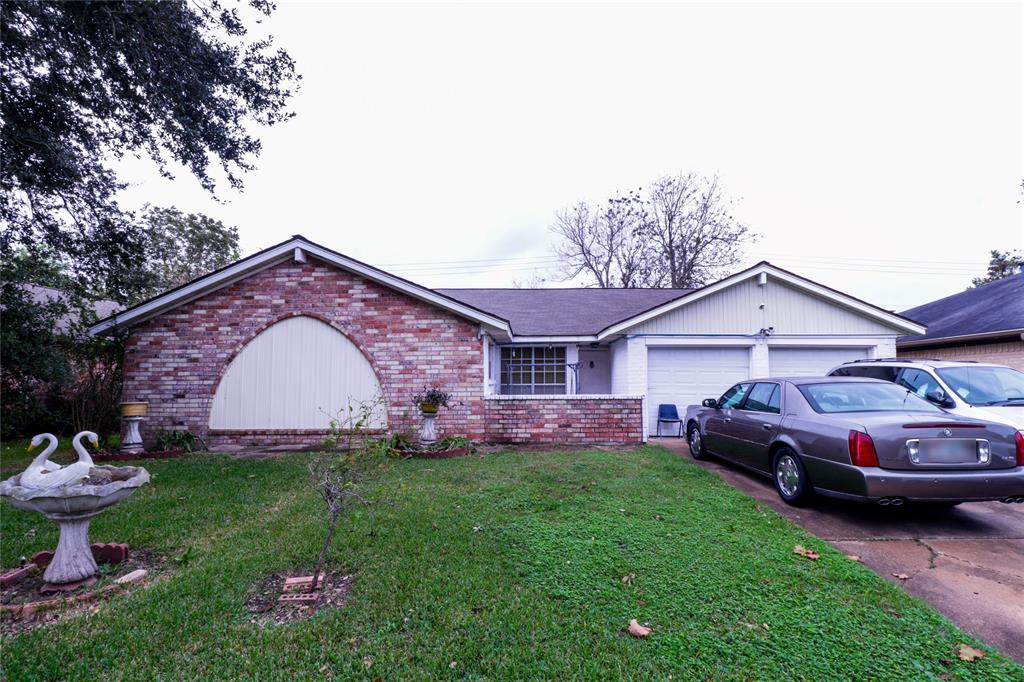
(558, 365)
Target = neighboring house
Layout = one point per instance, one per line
(42, 295)
(984, 324)
(256, 352)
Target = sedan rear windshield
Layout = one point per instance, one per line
(985, 385)
(866, 397)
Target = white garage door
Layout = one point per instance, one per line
(685, 376)
(290, 375)
(809, 362)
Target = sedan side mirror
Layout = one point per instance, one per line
(938, 396)
(710, 402)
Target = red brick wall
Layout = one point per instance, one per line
(1009, 353)
(175, 361)
(565, 420)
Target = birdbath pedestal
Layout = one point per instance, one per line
(428, 434)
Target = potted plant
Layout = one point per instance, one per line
(431, 399)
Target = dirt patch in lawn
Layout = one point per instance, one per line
(262, 600)
(39, 610)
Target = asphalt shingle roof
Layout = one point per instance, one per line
(993, 307)
(563, 312)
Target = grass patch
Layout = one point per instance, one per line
(507, 566)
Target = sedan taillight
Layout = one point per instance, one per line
(862, 450)
(1020, 448)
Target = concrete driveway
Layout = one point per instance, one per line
(967, 562)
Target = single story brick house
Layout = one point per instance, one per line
(260, 351)
(985, 324)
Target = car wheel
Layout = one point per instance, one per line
(696, 441)
(790, 477)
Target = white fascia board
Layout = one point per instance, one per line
(545, 340)
(279, 253)
(727, 341)
(406, 287)
(868, 310)
(194, 290)
(836, 341)
(864, 308)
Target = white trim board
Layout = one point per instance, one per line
(298, 248)
(868, 310)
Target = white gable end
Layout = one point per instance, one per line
(746, 307)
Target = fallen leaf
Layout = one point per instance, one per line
(969, 653)
(628, 579)
(853, 557)
(252, 475)
(477, 529)
(901, 576)
(804, 552)
(453, 665)
(368, 662)
(658, 517)
(764, 625)
(621, 509)
(638, 630)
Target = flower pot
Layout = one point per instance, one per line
(428, 408)
(134, 409)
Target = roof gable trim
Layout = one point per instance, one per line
(896, 321)
(298, 248)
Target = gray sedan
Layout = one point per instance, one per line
(857, 439)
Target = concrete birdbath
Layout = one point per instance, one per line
(71, 496)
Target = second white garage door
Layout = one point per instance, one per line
(809, 362)
(685, 376)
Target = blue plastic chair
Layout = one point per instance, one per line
(670, 415)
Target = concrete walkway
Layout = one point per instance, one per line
(967, 562)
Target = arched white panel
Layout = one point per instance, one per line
(289, 375)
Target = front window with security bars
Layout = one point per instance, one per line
(533, 370)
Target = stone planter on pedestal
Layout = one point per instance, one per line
(428, 434)
(132, 415)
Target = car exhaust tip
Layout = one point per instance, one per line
(884, 502)
(896, 501)
(1013, 499)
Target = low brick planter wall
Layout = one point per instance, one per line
(567, 419)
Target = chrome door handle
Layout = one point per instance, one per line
(767, 427)
(727, 420)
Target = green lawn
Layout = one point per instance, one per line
(535, 593)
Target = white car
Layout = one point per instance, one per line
(973, 389)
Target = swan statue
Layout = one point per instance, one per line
(41, 472)
(45, 454)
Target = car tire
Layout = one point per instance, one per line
(790, 477)
(696, 441)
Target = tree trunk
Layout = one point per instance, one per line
(323, 552)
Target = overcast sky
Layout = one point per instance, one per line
(877, 148)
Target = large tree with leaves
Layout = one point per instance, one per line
(179, 247)
(84, 83)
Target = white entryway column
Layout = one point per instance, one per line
(759, 358)
(636, 374)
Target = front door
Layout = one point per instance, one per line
(595, 372)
